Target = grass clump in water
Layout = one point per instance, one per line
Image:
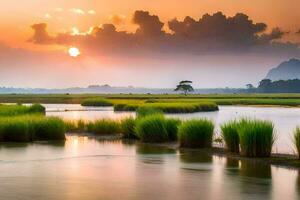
(256, 137)
(128, 128)
(48, 128)
(144, 111)
(96, 102)
(15, 110)
(30, 128)
(231, 136)
(76, 125)
(104, 127)
(152, 129)
(197, 133)
(172, 128)
(297, 140)
(125, 107)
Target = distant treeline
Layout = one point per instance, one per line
(265, 86)
(281, 86)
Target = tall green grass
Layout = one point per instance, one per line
(297, 140)
(30, 128)
(256, 137)
(144, 111)
(75, 125)
(196, 133)
(152, 129)
(231, 136)
(104, 127)
(96, 102)
(170, 107)
(14, 110)
(125, 107)
(128, 128)
(171, 126)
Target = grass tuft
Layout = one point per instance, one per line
(30, 128)
(297, 140)
(128, 128)
(152, 129)
(231, 136)
(196, 133)
(96, 102)
(144, 111)
(104, 127)
(256, 137)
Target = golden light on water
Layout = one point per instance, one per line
(74, 52)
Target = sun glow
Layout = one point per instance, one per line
(74, 52)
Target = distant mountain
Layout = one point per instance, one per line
(285, 71)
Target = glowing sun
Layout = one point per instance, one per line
(74, 52)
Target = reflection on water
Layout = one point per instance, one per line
(85, 168)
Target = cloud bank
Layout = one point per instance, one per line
(211, 34)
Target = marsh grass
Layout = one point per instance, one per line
(30, 128)
(48, 128)
(14, 110)
(297, 140)
(152, 129)
(172, 128)
(75, 125)
(144, 111)
(96, 102)
(256, 137)
(125, 107)
(230, 136)
(182, 107)
(170, 107)
(196, 133)
(104, 127)
(128, 128)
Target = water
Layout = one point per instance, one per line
(284, 119)
(86, 168)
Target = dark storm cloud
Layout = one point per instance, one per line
(219, 30)
(149, 25)
(210, 34)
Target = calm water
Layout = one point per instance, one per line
(284, 119)
(84, 168)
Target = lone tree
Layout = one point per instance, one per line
(184, 86)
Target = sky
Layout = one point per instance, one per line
(141, 43)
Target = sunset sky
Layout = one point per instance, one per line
(222, 43)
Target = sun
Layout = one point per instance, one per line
(74, 52)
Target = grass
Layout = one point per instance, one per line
(144, 111)
(196, 133)
(171, 126)
(104, 127)
(230, 136)
(183, 107)
(256, 137)
(96, 102)
(28, 128)
(128, 128)
(170, 107)
(220, 99)
(152, 129)
(125, 107)
(297, 140)
(14, 110)
(75, 125)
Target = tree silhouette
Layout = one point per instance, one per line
(184, 86)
